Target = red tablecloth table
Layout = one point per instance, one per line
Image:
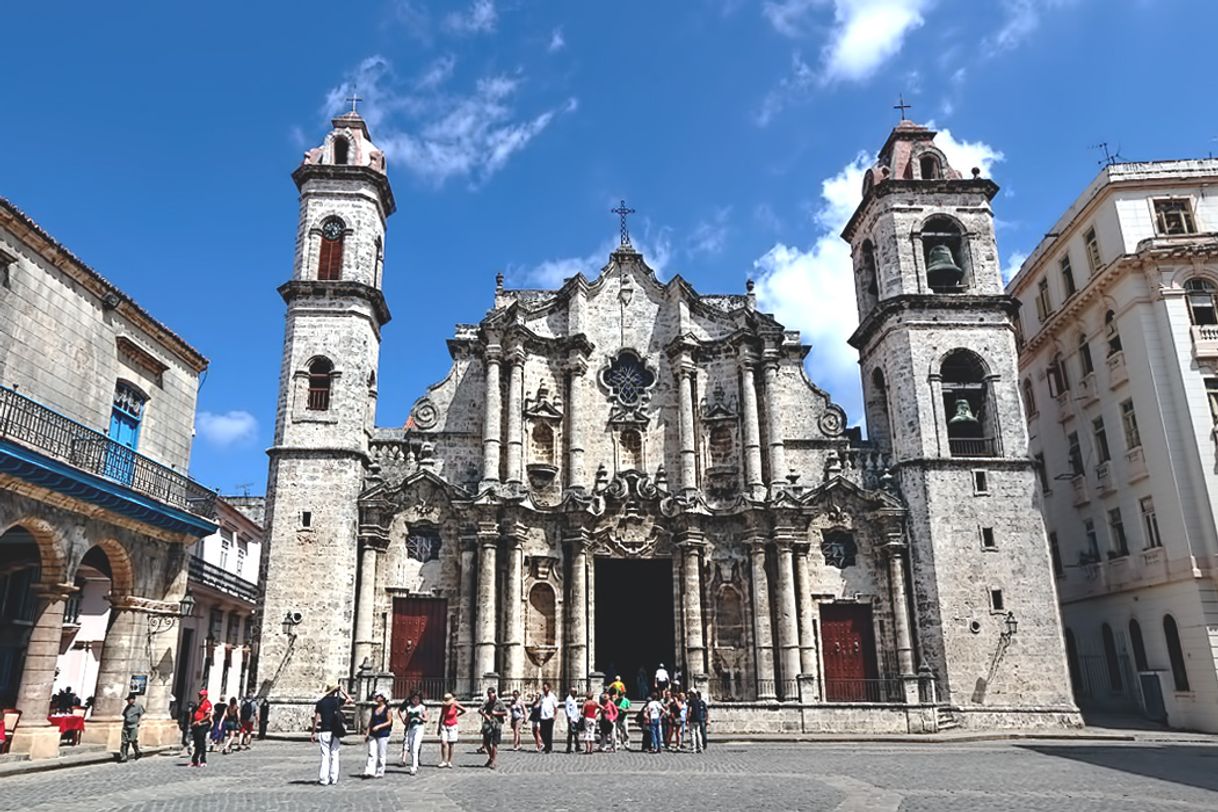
(67, 723)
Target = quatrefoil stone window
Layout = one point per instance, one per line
(628, 379)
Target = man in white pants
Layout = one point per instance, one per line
(328, 730)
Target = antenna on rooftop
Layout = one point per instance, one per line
(244, 487)
(1110, 157)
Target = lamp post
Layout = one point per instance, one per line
(1011, 626)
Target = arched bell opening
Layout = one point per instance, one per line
(971, 430)
(944, 254)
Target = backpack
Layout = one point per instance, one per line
(247, 710)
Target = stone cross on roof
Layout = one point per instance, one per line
(622, 212)
(355, 99)
(901, 105)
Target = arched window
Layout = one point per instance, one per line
(632, 450)
(1059, 380)
(341, 149)
(879, 424)
(1111, 660)
(1029, 398)
(943, 249)
(970, 429)
(1072, 662)
(542, 629)
(930, 167)
(321, 376)
(543, 444)
(868, 269)
(1138, 646)
(330, 260)
(1085, 362)
(1111, 334)
(1174, 653)
(1200, 299)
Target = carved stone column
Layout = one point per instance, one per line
(124, 645)
(513, 608)
(484, 641)
(689, 454)
(365, 603)
(577, 608)
(576, 367)
(691, 547)
(808, 661)
(788, 623)
(34, 737)
(763, 641)
(468, 614)
(773, 411)
(515, 416)
(753, 481)
(491, 418)
(895, 550)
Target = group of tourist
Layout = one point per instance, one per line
(222, 727)
(671, 720)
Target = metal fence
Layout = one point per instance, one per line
(973, 446)
(880, 689)
(33, 425)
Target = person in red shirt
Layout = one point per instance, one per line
(590, 732)
(200, 724)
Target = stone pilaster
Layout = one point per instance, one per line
(577, 366)
(689, 454)
(753, 481)
(34, 737)
(484, 641)
(491, 418)
(577, 608)
(808, 660)
(691, 547)
(513, 607)
(788, 624)
(467, 618)
(778, 454)
(365, 604)
(515, 416)
(763, 641)
(894, 549)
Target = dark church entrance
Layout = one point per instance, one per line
(634, 620)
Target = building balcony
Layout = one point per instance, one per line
(71, 458)
(1064, 410)
(1079, 485)
(1205, 340)
(1136, 464)
(973, 446)
(218, 578)
(1103, 475)
(1117, 373)
(1089, 391)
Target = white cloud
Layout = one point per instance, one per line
(964, 155)
(812, 290)
(789, 17)
(480, 18)
(868, 33)
(1021, 19)
(1014, 260)
(790, 88)
(655, 246)
(439, 133)
(231, 428)
(710, 236)
(557, 41)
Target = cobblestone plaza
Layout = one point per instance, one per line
(1028, 775)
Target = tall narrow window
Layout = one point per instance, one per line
(868, 268)
(1174, 653)
(1138, 645)
(930, 167)
(126, 415)
(1150, 522)
(1041, 472)
(1112, 660)
(330, 260)
(1055, 555)
(1093, 250)
(1111, 334)
(226, 544)
(321, 376)
(1116, 528)
(1091, 541)
(1059, 380)
(341, 149)
(1101, 440)
(1067, 276)
(1043, 306)
(1211, 394)
(1085, 361)
(1129, 420)
(1029, 399)
(1201, 301)
(1075, 454)
(1174, 216)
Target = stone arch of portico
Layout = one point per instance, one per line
(52, 553)
(122, 573)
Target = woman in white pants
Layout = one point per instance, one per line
(380, 725)
(413, 714)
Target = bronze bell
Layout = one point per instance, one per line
(941, 268)
(964, 414)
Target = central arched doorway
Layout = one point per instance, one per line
(634, 617)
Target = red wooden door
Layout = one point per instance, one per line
(848, 645)
(416, 648)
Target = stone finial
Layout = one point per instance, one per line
(661, 477)
(499, 282)
(833, 465)
(602, 477)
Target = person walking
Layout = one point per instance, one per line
(133, 711)
(380, 725)
(655, 713)
(232, 725)
(517, 711)
(249, 718)
(591, 709)
(328, 731)
(623, 710)
(216, 734)
(493, 713)
(535, 719)
(185, 719)
(200, 724)
(608, 723)
(413, 714)
(617, 686)
(661, 683)
(450, 711)
(548, 710)
(697, 720)
(572, 710)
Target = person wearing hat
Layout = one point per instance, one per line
(200, 724)
(328, 731)
(450, 711)
(133, 711)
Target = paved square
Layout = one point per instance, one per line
(1071, 776)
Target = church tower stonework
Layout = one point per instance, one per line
(326, 410)
(940, 382)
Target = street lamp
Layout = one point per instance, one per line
(290, 621)
(158, 623)
(1012, 626)
(187, 605)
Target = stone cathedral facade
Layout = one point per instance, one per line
(625, 472)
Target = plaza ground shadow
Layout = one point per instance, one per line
(1188, 764)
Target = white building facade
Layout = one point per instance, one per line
(1119, 376)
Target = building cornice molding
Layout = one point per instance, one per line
(929, 302)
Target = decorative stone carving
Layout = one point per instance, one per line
(425, 415)
(423, 547)
(839, 549)
(832, 421)
(629, 381)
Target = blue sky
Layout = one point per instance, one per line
(156, 140)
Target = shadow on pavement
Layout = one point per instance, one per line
(1191, 765)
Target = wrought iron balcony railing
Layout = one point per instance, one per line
(35, 426)
(202, 572)
(973, 446)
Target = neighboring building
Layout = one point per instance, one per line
(217, 645)
(97, 408)
(1119, 368)
(623, 472)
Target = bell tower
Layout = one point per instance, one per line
(326, 412)
(938, 358)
